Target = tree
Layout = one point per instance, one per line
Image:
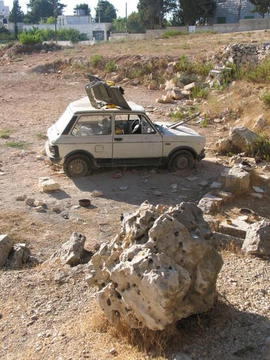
(195, 10)
(153, 12)
(105, 11)
(84, 8)
(261, 6)
(134, 23)
(16, 16)
(40, 9)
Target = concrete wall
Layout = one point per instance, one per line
(126, 36)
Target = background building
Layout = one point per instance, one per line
(231, 11)
(4, 13)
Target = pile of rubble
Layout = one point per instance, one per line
(159, 269)
(176, 91)
(245, 54)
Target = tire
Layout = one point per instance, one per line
(77, 166)
(182, 160)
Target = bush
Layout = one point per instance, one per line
(5, 35)
(111, 66)
(266, 98)
(260, 148)
(258, 74)
(63, 35)
(29, 39)
(198, 68)
(96, 60)
(172, 33)
(199, 92)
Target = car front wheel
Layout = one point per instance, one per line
(182, 160)
(77, 166)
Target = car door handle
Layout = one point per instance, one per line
(118, 139)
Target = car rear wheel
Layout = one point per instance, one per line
(77, 166)
(182, 160)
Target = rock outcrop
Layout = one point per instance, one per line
(240, 139)
(159, 269)
(257, 241)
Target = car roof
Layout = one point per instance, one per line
(84, 105)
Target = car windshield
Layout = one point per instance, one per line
(63, 121)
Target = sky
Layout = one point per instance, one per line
(119, 5)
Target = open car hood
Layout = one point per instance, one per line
(101, 94)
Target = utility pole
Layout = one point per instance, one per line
(126, 17)
(55, 10)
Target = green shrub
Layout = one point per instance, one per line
(96, 60)
(260, 148)
(177, 115)
(29, 39)
(198, 67)
(266, 98)
(199, 92)
(258, 74)
(48, 34)
(111, 66)
(172, 33)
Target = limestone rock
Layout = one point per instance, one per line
(242, 138)
(5, 247)
(72, 252)
(190, 86)
(47, 184)
(19, 256)
(210, 203)
(257, 241)
(237, 180)
(159, 269)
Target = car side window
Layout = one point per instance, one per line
(130, 124)
(96, 124)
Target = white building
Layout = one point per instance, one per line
(4, 13)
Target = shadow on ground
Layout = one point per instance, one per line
(157, 185)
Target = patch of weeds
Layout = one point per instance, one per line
(41, 136)
(185, 46)
(199, 67)
(260, 148)
(204, 123)
(266, 98)
(257, 74)
(16, 144)
(4, 134)
(199, 92)
(111, 66)
(177, 115)
(172, 33)
(96, 60)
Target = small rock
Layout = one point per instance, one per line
(47, 184)
(237, 180)
(123, 188)
(113, 352)
(30, 202)
(257, 241)
(256, 195)
(216, 185)
(190, 86)
(21, 198)
(96, 193)
(257, 189)
(19, 256)
(157, 193)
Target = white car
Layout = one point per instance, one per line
(90, 135)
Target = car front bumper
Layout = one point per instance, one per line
(52, 152)
(201, 155)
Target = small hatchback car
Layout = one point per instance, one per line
(103, 130)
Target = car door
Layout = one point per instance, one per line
(91, 132)
(134, 144)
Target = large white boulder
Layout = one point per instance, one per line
(159, 269)
(237, 180)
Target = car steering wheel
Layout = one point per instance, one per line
(135, 126)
